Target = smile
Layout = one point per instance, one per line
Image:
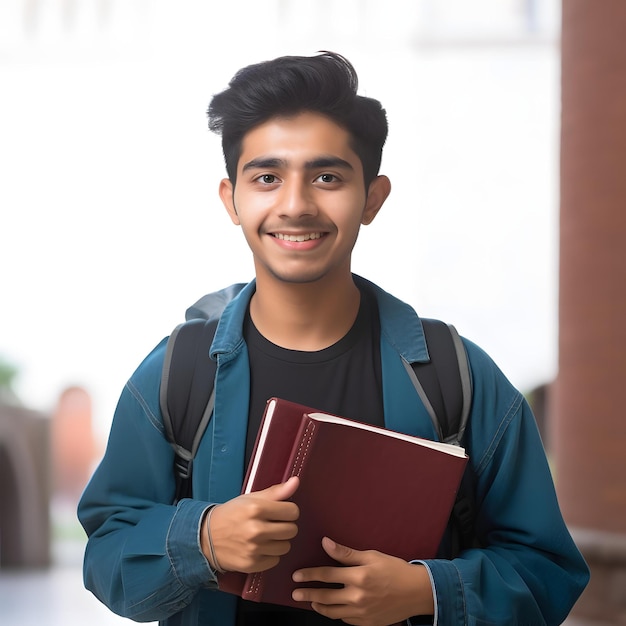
(304, 237)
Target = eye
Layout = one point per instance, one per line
(267, 179)
(327, 178)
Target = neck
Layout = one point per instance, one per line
(305, 316)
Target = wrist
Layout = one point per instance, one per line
(425, 598)
(206, 541)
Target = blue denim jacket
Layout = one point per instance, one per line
(143, 557)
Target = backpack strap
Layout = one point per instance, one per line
(444, 385)
(444, 382)
(187, 395)
(212, 305)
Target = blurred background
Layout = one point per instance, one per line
(111, 224)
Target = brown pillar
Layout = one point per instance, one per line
(73, 447)
(589, 412)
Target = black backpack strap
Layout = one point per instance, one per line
(187, 382)
(444, 385)
(187, 394)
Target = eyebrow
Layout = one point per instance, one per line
(273, 162)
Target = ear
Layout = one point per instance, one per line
(226, 192)
(378, 191)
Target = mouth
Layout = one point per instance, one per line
(298, 238)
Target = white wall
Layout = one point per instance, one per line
(110, 222)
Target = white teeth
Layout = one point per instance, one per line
(298, 237)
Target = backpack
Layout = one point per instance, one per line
(187, 397)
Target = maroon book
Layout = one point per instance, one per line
(363, 486)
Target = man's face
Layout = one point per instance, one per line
(300, 198)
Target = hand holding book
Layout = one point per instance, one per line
(386, 589)
(362, 486)
(265, 522)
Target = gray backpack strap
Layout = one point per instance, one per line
(466, 381)
(444, 382)
(187, 393)
(213, 304)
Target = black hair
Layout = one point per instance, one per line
(325, 83)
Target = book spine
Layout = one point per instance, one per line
(302, 447)
(253, 589)
(231, 582)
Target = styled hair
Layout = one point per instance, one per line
(284, 87)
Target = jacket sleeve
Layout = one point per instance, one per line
(143, 557)
(528, 570)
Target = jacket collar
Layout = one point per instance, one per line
(399, 323)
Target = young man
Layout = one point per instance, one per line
(302, 153)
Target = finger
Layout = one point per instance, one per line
(282, 491)
(343, 554)
(328, 596)
(333, 575)
(276, 548)
(277, 531)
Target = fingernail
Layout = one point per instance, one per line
(297, 577)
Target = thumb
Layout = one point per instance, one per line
(282, 491)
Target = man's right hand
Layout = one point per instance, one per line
(251, 532)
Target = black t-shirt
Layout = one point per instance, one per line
(344, 379)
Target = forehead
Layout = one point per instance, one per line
(295, 138)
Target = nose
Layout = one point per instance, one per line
(298, 200)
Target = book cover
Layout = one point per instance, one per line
(363, 486)
(278, 431)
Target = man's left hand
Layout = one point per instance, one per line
(377, 589)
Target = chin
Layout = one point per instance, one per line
(299, 278)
